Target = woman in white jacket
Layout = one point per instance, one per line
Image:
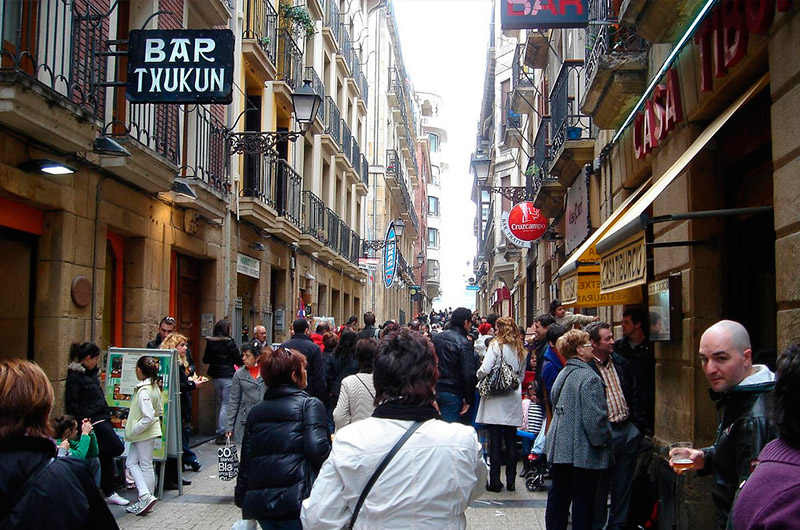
(502, 413)
(433, 477)
(357, 395)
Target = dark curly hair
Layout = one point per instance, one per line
(786, 398)
(405, 368)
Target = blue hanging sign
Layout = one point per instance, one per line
(544, 14)
(390, 256)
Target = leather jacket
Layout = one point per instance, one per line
(457, 364)
(744, 429)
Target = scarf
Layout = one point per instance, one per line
(399, 410)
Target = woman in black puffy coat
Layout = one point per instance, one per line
(221, 355)
(285, 443)
(85, 399)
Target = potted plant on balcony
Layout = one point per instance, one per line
(298, 18)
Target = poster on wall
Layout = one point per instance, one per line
(664, 318)
(121, 381)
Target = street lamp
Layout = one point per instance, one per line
(305, 103)
(420, 258)
(480, 164)
(399, 227)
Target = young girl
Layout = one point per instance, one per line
(142, 430)
(81, 445)
(533, 415)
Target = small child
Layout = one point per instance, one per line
(533, 415)
(142, 430)
(82, 446)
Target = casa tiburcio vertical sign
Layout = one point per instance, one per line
(390, 256)
(544, 14)
(180, 66)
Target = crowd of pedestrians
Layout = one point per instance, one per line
(403, 426)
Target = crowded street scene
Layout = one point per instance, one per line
(400, 264)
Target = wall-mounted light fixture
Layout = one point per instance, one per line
(103, 145)
(181, 188)
(46, 166)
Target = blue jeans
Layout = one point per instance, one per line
(450, 406)
(293, 524)
(188, 454)
(223, 387)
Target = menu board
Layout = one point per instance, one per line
(121, 381)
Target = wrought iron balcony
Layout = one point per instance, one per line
(355, 158)
(153, 126)
(333, 19)
(207, 158)
(290, 60)
(332, 229)
(512, 122)
(347, 141)
(394, 169)
(56, 45)
(355, 247)
(346, 46)
(364, 170)
(542, 155)
(363, 85)
(319, 88)
(606, 37)
(568, 122)
(332, 120)
(521, 77)
(261, 25)
(275, 183)
(313, 216)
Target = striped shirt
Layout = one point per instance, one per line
(535, 417)
(618, 410)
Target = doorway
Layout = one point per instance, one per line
(18, 265)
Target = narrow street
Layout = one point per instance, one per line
(208, 504)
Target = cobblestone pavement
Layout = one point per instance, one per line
(208, 504)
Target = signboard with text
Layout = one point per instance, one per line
(390, 256)
(577, 213)
(544, 14)
(625, 266)
(524, 224)
(180, 66)
(248, 266)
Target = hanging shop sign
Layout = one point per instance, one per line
(625, 266)
(544, 14)
(524, 224)
(390, 256)
(577, 213)
(583, 290)
(180, 66)
(248, 266)
(660, 115)
(369, 264)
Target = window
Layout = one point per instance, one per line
(435, 171)
(433, 206)
(433, 269)
(434, 141)
(433, 238)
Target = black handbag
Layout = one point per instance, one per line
(501, 379)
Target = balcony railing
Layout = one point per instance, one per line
(605, 37)
(567, 120)
(290, 60)
(153, 126)
(207, 158)
(274, 182)
(333, 120)
(313, 216)
(409, 204)
(363, 85)
(542, 154)
(513, 120)
(344, 240)
(364, 170)
(319, 88)
(332, 229)
(355, 247)
(57, 44)
(261, 25)
(393, 166)
(333, 18)
(355, 159)
(347, 141)
(521, 77)
(346, 46)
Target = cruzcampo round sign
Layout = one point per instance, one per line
(524, 224)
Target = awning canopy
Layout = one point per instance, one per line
(632, 221)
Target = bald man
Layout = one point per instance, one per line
(743, 393)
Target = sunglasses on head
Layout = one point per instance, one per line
(168, 320)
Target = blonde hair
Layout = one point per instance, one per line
(172, 341)
(508, 333)
(568, 343)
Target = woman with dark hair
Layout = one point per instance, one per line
(431, 478)
(221, 355)
(84, 398)
(501, 413)
(770, 498)
(38, 490)
(357, 394)
(579, 440)
(285, 442)
(247, 391)
(341, 364)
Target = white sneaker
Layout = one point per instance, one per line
(132, 508)
(115, 498)
(145, 503)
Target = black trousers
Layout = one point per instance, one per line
(574, 485)
(110, 446)
(497, 435)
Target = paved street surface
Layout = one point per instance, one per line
(208, 504)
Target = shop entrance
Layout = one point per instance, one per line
(18, 265)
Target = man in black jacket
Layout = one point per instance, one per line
(369, 331)
(624, 415)
(636, 348)
(165, 327)
(301, 341)
(455, 391)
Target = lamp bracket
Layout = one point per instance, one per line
(253, 143)
(512, 193)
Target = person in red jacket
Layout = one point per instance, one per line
(321, 329)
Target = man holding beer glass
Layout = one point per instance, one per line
(743, 392)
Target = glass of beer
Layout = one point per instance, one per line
(679, 456)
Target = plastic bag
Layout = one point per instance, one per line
(228, 461)
(245, 524)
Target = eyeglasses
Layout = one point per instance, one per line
(587, 345)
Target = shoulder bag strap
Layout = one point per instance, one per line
(365, 386)
(26, 487)
(379, 470)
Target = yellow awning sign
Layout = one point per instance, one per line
(583, 290)
(625, 267)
